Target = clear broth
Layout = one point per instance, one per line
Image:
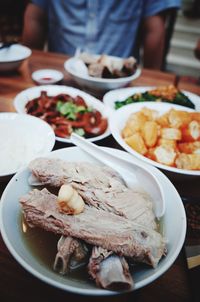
(43, 245)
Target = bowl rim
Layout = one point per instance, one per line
(67, 66)
(21, 58)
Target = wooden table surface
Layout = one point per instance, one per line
(16, 284)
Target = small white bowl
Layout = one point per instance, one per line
(96, 85)
(12, 57)
(47, 76)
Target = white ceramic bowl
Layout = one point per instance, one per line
(174, 225)
(112, 96)
(47, 76)
(118, 120)
(12, 57)
(52, 90)
(96, 85)
(23, 137)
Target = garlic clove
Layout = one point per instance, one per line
(69, 201)
(77, 204)
(65, 193)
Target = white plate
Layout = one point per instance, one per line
(119, 118)
(10, 224)
(52, 90)
(111, 97)
(23, 137)
(47, 76)
(11, 57)
(97, 84)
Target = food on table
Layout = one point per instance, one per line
(71, 254)
(109, 270)
(67, 114)
(172, 139)
(116, 229)
(108, 67)
(69, 201)
(14, 144)
(169, 94)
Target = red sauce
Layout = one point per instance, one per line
(46, 79)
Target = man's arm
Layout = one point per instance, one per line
(153, 41)
(35, 27)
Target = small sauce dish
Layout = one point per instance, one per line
(47, 76)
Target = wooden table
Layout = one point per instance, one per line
(16, 284)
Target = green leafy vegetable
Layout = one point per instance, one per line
(70, 110)
(180, 99)
(79, 131)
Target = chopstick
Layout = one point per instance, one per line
(192, 244)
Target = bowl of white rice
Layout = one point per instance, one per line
(23, 137)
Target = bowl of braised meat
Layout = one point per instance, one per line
(100, 73)
(67, 110)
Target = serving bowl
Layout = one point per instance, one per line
(23, 137)
(26, 95)
(118, 120)
(112, 96)
(97, 85)
(11, 57)
(11, 230)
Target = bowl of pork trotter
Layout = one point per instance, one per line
(74, 224)
(100, 73)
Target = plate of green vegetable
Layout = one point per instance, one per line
(118, 98)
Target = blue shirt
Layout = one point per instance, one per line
(98, 26)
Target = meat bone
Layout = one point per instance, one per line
(136, 175)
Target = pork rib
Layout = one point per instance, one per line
(72, 253)
(109, 271)
(100, 187)
(112, 232)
